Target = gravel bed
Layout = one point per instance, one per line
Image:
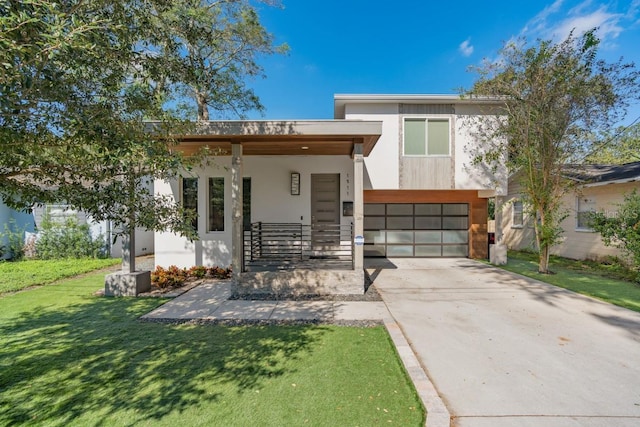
(254, 322)
(370, 295)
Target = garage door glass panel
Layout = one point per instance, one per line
(455, 236)
(429, 251)
(399, 236)
(455, 223)
(455, 209)
(428, 223)
(374, 223)
(400, 209)
(374, 237)
(400, 251)
(454, 250)
(428, 237)
(374, 250)
(399, 223)
(428, 209)
(374, 209)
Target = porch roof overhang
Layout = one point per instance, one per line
(299, 137)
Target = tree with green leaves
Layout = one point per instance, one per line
(621, 147)
(79, 80)
(623, 229)
(555, 95)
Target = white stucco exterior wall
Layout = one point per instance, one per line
(271, 201)
(382, 166)
(467, 175)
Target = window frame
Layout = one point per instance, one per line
(211, 229)
(513, 214)
(583, 228)
(426, 120)
(195, 223)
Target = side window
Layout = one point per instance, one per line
(426, 137)
(583, 215)
(518, 214)
(216, 204)
(190, 197)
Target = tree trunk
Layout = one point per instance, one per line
(203, 111)
(543, 262)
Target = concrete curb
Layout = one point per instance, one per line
(437, 413)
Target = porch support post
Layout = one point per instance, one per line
(358, 205)
(236, 211)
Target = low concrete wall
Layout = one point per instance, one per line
(302, 282)
(122, 284)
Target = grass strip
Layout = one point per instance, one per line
(587, 278)
(18, 275)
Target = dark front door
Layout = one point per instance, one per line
(325, 209)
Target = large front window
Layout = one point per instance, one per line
(426, 137)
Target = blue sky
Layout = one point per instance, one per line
(415, 46)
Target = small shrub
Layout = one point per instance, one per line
(197, 271)
(219, 272)
(168, 278)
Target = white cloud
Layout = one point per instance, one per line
(554, 22)
(466, 48)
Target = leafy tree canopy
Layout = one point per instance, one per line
(556, 95)
(79, 79)
(621, 147)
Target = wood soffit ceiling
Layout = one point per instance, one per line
(302, 138)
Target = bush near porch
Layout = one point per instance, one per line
(70, 358)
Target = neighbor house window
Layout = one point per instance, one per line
(426, 137)
(518, 214)
(585, 207)
(216, 204)
(190, 197)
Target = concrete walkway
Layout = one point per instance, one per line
(503, 350)
(210, 302)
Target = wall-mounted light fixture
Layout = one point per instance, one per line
(295, 183)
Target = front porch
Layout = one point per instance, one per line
(286, 207)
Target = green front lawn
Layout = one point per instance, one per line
(605, 282)
(18, 275)
(70, 358)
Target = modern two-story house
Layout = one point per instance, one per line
(296, 205)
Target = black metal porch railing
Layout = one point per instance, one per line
(278, 246)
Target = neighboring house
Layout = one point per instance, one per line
(296, 205)
(600, 188)
(104, 229)
(14, 221)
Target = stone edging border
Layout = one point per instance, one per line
(437, 413)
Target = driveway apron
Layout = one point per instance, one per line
(503, 350)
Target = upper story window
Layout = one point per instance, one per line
(583, 209)
(426, 137)
(517, 220)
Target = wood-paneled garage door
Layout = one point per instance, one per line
(416, 229)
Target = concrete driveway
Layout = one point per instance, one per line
(503, 350)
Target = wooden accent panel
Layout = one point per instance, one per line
(478, 241)
(427, 109)
(426, 172)
(264, 145)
